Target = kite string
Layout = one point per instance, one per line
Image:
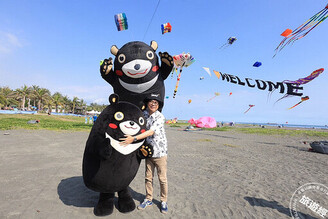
(151, 20)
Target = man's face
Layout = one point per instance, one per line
(152, 106)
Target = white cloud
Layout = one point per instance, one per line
(9, 42)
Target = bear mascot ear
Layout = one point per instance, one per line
(153, 45)
(113, 99)
(114, 50)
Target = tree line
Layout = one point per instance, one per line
(37, 98)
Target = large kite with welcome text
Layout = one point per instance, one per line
(290, 88)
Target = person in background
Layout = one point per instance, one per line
(155, 136)
(94, 118)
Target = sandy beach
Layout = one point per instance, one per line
(211, 174)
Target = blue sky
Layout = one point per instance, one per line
(59, 44)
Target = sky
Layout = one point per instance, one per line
(59, 44)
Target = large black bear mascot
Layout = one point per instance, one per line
(109, 167)
(137, 73)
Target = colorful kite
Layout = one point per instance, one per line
(189, 101)
(166, 28)
(201, 78)
(257, 64)
(215, 95)
(250, 106)
(207, 70)
(301, 81)
(230, 93)
(180, 61)
(121, 21)
(302, 30)
(302, 99)
(229, 42)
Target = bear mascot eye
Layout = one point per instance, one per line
(150, 55)
(141, 121)
(121, 58)
(119, 116)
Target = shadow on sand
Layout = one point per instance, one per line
(274, 205)
(72, 191)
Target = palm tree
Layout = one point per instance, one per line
(66, 102)
(8, 95)
(21, 95)
(83, 105)
(49, 102)
(41, 95)
(57, 100)
(75, 102)
(34, 89)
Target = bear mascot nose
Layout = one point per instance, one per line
(137, 66)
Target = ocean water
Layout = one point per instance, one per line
(286, 125)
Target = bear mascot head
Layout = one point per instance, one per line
(109, 167)
(137, 73)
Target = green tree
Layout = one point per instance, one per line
(8, 94)
(34, 89)
(67, 103)
(75, 102)
(41, 95)
(57, 99)
(21, 95)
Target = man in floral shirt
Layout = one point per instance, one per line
(156, 137)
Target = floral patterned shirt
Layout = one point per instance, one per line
(158, 140)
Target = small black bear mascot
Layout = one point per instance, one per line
(109, 167)
(137, 73)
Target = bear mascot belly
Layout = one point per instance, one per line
(109, 167)
(137, 73)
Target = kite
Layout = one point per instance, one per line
(166, 28)
(250, 106)
(207, 70)
(215, 95)
(230, 41)
(296, 84)
(286, 33)
(121, 21)
(302, 99)
(302, 30)
(203, 122)
(291, 87)
(180, 61)
(201, 78)
(217, 74)
(257, 64)
(230, 93)
(189, 101)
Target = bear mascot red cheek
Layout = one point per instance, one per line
(137, 73)
(109, 167)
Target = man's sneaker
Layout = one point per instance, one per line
(164, 207)
(145, 204)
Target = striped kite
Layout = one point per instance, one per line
(302, 99)
(121, 21)
(303, 30)
(180, 61)
(302, 81)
